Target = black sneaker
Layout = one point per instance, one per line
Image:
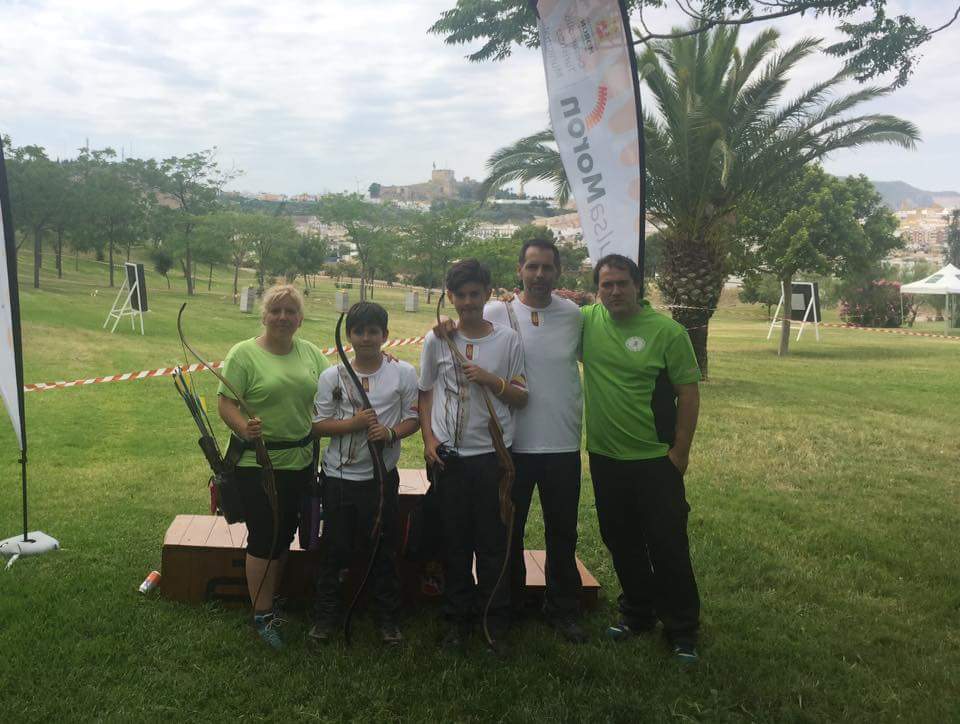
(390, 633)
(498, 647)
(685, 653)
(321, 633)
(455, 640)
(624, 630)
(568, 627)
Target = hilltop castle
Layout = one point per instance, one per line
(442, 185)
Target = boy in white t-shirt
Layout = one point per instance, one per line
(459, 449)
(350, 490)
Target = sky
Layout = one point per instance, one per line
(334, 95)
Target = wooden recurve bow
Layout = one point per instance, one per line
(380, 475)
(268, 481)
(505, 468)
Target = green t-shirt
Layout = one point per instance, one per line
(629, 368)
(280, 389)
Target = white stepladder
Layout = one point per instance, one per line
(798, 301)
(131, 305)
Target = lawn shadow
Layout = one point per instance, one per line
(854, 354)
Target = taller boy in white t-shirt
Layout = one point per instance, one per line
(546, 444)
(350, 491)
(459, 448)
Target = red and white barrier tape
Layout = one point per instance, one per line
(884, 330)
(167, 371)
(794, 322)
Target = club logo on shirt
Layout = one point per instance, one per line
(535, 318)
(365, 382)
(469, 351)
(635, 344)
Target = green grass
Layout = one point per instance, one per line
(824, 534)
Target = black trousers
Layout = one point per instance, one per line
(643, 511)
(470, 506)
(349, 513)
(259, 514)
(557, 477)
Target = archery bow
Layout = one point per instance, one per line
(380, 474)
(504, 466)
(263, 457)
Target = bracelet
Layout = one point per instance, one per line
(503, 386)
(393, 435)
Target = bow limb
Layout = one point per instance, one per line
(380, 474)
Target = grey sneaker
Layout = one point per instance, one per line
(320, 633)
(266, 626)
(685, 653)
(390, 633)
(623, 630)
(569, 628)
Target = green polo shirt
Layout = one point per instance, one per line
(629, 368)
(280, 389)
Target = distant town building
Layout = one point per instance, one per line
(492, 231)
(566, 227)
(307, 225)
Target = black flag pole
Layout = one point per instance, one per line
(36, 542)
(632, 52)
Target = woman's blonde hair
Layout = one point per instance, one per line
(280, 292)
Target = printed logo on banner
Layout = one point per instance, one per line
(595, 116)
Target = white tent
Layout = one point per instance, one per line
(944, 282)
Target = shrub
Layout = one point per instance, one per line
(872, 304)
(581, 298)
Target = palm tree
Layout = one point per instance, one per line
(529, 159)
(717, 136)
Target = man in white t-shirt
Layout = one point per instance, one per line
(459, 449)
(546, 443)
(350, 490)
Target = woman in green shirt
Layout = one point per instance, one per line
(276, 373)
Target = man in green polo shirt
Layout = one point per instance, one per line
(641, 400)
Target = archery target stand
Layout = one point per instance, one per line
(133, 292)
(804, 307)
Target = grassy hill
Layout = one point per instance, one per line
(823, 532)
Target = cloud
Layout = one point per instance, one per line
(314, 96)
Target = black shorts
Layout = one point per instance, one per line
(291, 485)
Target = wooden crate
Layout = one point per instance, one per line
(203, 560)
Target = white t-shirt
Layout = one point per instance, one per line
(459, 416)
(551, 338)
(392, 390)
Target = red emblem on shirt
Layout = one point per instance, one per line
(469, 351)
(535, 318)
(366, 383)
